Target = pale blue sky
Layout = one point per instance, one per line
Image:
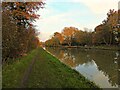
(58, 14)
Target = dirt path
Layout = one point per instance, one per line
(27, 73)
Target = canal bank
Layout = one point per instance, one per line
(46, 72)
(102, 47)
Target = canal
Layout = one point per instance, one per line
(99, 66)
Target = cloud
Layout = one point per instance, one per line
(55, 23)
(99, 6)
(96, 6)
(119, 5)
(44, 36)
(52, 21)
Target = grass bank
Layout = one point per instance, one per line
(47, 72)
(13, 73)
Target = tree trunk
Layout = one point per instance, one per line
(105, 41)
(110, 38)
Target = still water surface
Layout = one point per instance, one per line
(99, 66)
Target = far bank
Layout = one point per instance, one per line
(105, 47)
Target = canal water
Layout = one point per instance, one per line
(99, 66)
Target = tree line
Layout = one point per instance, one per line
(106, 33)
(19, 35)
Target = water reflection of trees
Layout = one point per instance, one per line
(104, 59)
(64, 55)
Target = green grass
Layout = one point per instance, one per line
(14, 72)
(47, 72)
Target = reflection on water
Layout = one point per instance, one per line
(99, 66)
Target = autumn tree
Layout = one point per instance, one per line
(19, 36)
(112, 20)
(58, 36)
(56, 40)
(24, 13)
(78, 37)
(87, 38)
(49, 42)
(68, 34)
(101, 35)
(105, 33)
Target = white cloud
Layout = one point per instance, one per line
(55, 23)
(96, 6)
(99, 6)
(51, 21)
(119, 5)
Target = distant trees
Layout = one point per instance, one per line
(106, 33)
(68, 34)
(56, 40)
(59, 37)
(18, 33)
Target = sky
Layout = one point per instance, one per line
(81, 14)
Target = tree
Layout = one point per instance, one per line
(18, 33)
(105, 32)
(87, 38)
(49, 42)
(68, 34)
(101, 35)
(24, 13)
(112, 20)
(58, 36)
(78, 37)
(9, 34)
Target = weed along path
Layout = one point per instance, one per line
(43, 71)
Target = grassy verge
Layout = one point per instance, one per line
(14, 72)
(47, 72)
